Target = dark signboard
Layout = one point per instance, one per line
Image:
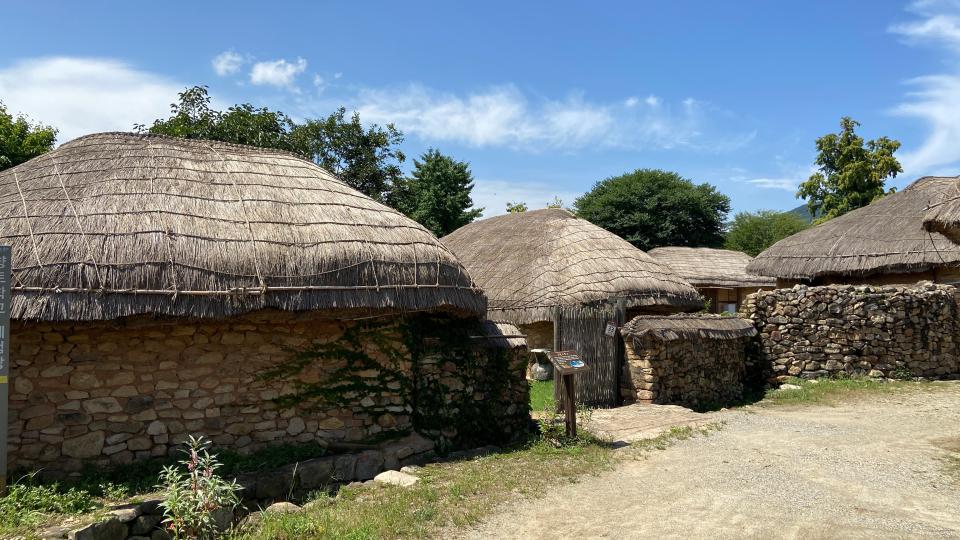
(568, 362)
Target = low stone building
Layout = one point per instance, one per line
(719, 274)
(165, 287)
(877, 331)
(692, 360)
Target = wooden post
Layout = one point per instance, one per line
(570, 405)
(559, 387)
(619, 317)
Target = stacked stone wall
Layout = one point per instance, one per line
(877, 331)
(695, 372)
(110, 393)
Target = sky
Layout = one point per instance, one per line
(543, 99)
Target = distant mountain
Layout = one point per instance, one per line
(802, 212)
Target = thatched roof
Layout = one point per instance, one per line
(708, 267)
(944, 216)
(885, 237)
(688, 326)
(500, 335)
(118, 224)
(531, 262)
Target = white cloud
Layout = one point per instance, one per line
(935, 98)
(786, 184)
(632, 101)
(504, 116)
(652, 101)
(227, 63)
(493, 195)
(85, 95)
(277, 72)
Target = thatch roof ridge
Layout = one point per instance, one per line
(532, 262)
(668, 328)
(711, 267)
(944, 216)
(118, 224)
(887, 236)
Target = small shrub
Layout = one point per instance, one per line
(195, 492)
(114, 492)
(553, 428)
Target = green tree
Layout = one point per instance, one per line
(753, 232)
(651, 208)
(556, 203)
(516, 208)
(438, 194)
(851, 174)
(21, 140)
(366, 159)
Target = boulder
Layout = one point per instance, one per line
(396, 478)
(282, 508)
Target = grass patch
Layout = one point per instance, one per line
(541, 395)
(27, 506)
(830, 391)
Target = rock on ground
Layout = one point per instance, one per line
(396, 478)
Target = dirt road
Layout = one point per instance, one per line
(871, 468)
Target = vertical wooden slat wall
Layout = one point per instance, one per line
(582, 329)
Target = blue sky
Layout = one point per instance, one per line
(542, 98)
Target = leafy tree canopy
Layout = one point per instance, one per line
(753, 232)
(516, 207)
(366, 159)
(21, 140)
(851, 174)
(438, 194)
(652, 208)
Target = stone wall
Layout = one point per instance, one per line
(109, 393)
(539, 334)
(875, 331)
(685, 368)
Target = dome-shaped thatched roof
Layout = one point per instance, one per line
(944, 217)
(118, 224)
(885, 237)
(530, 262)
(709, 267)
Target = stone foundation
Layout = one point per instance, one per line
(875, 331)
(110, 393)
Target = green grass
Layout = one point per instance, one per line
(452, 494)
(541, 395)
(830, 391)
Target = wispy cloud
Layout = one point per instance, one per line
(935, 98)
(786, 184)
(85, 95)
(493, 195)
(280, 73)
(227, 63)
(505, 116)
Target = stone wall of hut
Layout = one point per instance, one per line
(539, 334)
(695, 372)
(111, 393)
(876, 331)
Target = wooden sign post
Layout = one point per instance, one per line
(566, 364)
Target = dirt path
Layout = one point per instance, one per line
(873, 468)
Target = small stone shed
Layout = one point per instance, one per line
(884, 243)
(691, 360)
(560, 279)
(719, 274)
(165, 287)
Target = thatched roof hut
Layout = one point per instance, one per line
(944, 216)
(117, 224)
(688, 326)
(711, 268)
(885, 242)
(530, 263)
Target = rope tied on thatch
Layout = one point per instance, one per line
(885, 237)
(529, 263)
(117, 224)
(711, 268)
(688, 326)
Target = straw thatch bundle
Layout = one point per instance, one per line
(529, 263)
(711, 268)
(688, 326)
(117, 224)
(887, 236)
(944, 216)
